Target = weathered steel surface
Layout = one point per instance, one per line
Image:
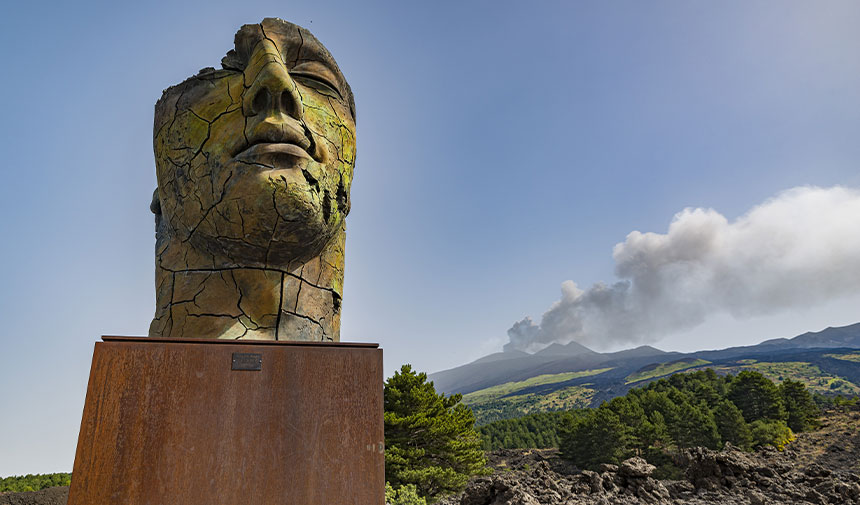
(170, 422)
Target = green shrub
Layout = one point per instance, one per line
(844, 403)
(771, 432)
(403, 495)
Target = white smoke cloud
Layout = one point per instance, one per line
(800, 248)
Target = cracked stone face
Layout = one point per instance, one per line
(254, 165)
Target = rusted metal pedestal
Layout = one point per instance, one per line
(213, 422)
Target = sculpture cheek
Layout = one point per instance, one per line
(185, 137)
(225, 135)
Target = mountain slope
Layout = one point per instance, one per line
(509, 366)
(562, 377)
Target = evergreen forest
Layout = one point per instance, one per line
(24, 483)
(701, 408)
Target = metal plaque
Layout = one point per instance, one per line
(247, 361)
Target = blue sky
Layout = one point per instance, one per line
(503, 148)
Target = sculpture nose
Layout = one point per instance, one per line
(273, 92)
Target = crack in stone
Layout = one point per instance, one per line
(309, 318)
(266, 36)
(205, 314)
(298, 294)
(280, 307)
(301, 46)
(207, 211)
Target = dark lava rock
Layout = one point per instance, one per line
(636, 467)
(50, 496)
(727, 477)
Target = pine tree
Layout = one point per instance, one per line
(756, 396)
(430, 440)
(731, 425)
(653, 434)
(596, 437)
(632, 416)
(802, 412)
(698, 427)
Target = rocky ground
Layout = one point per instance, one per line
(50, 496)
(819, 468)
(822, 467)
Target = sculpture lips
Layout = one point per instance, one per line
(271, 149)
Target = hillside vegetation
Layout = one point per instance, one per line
(848, 356)
(518, 398)
(663, 369)
(826, 372)
(507, 388)
(810, 374)
(26, 483)
(827, 362)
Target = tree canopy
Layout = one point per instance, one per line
(756, 396)
(30, 482)
(538, 431)
(802, 412)
(598, 438)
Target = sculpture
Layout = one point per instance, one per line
(254, 165)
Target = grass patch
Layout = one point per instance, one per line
(494, 392)
(502, 401)
(664, 369)
(848, 356)
(509, 407)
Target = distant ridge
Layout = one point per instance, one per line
(502, 367)
(498, 356)
(571, 349)
(638, 352)
(845, 336)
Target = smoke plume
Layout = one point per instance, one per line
(799, 248)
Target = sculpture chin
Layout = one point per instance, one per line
(282, 221)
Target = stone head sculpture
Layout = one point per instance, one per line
(254, 165)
